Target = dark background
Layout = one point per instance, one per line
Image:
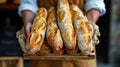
(104, 26)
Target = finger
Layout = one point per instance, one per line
(91, 26)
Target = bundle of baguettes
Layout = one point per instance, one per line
(36, 37)
(53, 35)
(66, 28)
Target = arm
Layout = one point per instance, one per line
(27, 17)
(27, 10)
(94, 9)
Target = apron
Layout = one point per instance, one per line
(62, 63)
(49, 3)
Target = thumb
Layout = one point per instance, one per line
(28, 28)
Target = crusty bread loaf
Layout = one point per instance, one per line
(40, 20)
(45, 49)
(36, 37)
(72, 51)
(77, 16)
(83, 30)
(85, 38)
(53, 35)
(65, 24)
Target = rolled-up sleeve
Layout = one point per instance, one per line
(28, 5)
(96, 4)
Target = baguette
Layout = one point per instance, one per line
(65, 24)
(72, 51)
(53, 35)
(36, 37)
(83, 30)
(85, 43)
(45, 49)
(77, 16)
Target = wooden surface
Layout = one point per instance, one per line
(11, 62)
(58, 57)
(62, 61)
(65, 60)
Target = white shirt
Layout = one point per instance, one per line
(32, 6)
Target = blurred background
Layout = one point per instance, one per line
(108, 53)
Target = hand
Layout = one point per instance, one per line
(92, 29)
(93, 15)
(27, 27)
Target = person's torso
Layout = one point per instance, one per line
(49, 3)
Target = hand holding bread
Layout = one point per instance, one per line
(37, 35)
(63, 29)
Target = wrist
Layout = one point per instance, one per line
(27, 23)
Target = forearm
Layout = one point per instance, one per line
(94, 9)
(93, 15)
(27, 16)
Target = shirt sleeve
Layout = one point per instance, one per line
(28, 5)
(96, 4)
